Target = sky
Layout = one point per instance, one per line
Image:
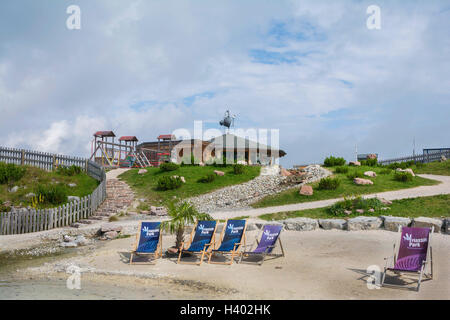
(310, 69)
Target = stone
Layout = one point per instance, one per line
(30, 195)
(392, 223)
(354, 163)
(14, 189)
(406, 170)
(145, 212)
(370, 173)
(361, 181)
(329, 224)
(132, 213)
(158, 211)
(447, 225)
(67, 238)
(142, 171)
(360, 211)
(219, 173)
(306, 190)
(68, 244)
(182, 179)
(110, 227)
(300, 224)
(110, 235)
(76, 225)
(385, 201)
(372, 210)
(364, 223)
(348, 212)
(81, 240)
(73, 198)
(285, 173)
(424, 222)
(443, 158)
(72, 185)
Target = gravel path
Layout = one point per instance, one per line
(423, 191)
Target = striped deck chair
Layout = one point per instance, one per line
(269, 238)
(148, 240)
(413, 256)
(233, 233)
(201, 239)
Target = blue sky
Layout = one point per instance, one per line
(311, 69)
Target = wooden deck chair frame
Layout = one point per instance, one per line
(266, 253)
(206, 248)
(236, 249)
(157, 254)
(421, 273)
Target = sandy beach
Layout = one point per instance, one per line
(318, 265)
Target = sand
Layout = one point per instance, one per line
(318, 265)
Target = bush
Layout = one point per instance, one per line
(238, 169)
(420, 165)
(168, 183)
(401, 165)
(10, 172)
(332, 161)
(341, 170)
(352, 204)
(51, 194)
(168, 166)
(329, 183)
(386, 171)
(210, 177)
(355, 174)
(68, 171)
(370, 162)
(403, 176)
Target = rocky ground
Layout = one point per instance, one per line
(242, 195)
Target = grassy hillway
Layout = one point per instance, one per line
(145, 184)
(35, 177)
(434, 206)
(382, 182)
(437, 167)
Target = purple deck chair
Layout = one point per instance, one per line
(413, 255)
(269, 237)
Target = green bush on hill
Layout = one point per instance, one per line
(238, 169)
(370, 162)
(333, 161)
(403, 176)
(69, 171)
(210, 177)
(353, 204)
(10, 172)
(168, 166)
(355, 174)
(168, 183)
(341, 169)
(329, 183)
(52, 194)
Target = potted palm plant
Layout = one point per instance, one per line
(181, 214)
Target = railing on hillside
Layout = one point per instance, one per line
(423, 158)
(26, 220)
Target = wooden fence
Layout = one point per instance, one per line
(33, 220)
(424, 158)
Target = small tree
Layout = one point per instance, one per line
(182, 214)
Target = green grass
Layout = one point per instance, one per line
(434, 206)
(383, 182)
(439, 168)
(35, 176)
(145, 184)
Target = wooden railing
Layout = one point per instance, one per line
(26, 220)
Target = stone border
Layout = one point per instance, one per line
(389, 223)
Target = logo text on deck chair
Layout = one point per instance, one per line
(413, 243)
(149, 232)
(204, 230)
(234, 229)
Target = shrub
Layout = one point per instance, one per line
(355, 174)
(168, 166)
(333, 161)
(51, 194)
(10, 172)
(68, 171)
(403, 176)
(354, 203)
(370, 162)
(420, 165)
(386, 171)
(168, 183)
(238, 169)
(329, 183)
(210, 177)
(341, 169)
(401, 165)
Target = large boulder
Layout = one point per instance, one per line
(142, 171)
(306, 190)
(364, 223)
(370, 174)
(219, 173)
(354, 163)
(385, 201)
(361, 181)
(424, 222)
(285, 173)
(392, 223)
(328, 224)
(300, 224)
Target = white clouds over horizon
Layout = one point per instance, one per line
(309, 68)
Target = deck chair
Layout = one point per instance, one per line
(269, 237)
(200, 241)
(233, 233)
(413, 256)
(148, 241)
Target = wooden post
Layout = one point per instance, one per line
(22, 162)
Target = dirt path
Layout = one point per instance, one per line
(423, 191)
